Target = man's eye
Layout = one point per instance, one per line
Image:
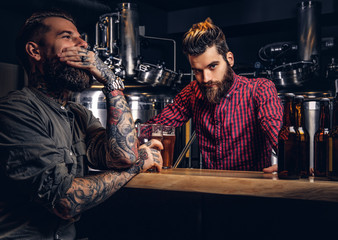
(66, 36)
(213, 66)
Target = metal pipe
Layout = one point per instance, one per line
(166, 39)
(97, 34)
(185, 149)
(111, 35)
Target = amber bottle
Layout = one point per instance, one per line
(321, 141)
(288, 167)
(303, 138)
(333, 142)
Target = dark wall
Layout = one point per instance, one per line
(86, 13)
(248, 25)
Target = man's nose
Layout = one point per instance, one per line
(81, 43)
(206, 76)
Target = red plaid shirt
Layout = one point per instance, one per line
(237, 133)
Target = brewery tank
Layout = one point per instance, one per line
(129, 49)
(144, 102)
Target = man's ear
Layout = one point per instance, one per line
(230, 58)
(33, 50)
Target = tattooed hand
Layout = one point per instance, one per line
(151, 155)
(81, 58)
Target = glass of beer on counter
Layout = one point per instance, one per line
(143, 133)
(146, 132)
(157, 132)
(168, 146)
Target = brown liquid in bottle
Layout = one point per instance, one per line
(288, 167)
(303, 138)
(321, 141)
(333, 142)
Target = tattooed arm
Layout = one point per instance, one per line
(121, 145)
(90, 191)
(119, 148)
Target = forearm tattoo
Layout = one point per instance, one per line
(88, 192)
(106, 74)
(121, 132)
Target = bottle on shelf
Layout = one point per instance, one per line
(321, 141)
(288, 167)
(303, 138)
(333, 143)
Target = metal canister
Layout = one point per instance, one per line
(311, 112)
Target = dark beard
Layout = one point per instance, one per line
(214, 95)
(60, 76)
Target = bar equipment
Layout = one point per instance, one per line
(296, 64)
(117, 43)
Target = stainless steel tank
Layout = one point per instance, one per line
(312, 112)
(94, 100)
(144, 103)
(129, 49)
(308, 15)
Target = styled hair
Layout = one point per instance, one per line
(34, 30)
(202, 36)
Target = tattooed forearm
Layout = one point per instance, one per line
(88, 192)
(106, 74)
(121, 133)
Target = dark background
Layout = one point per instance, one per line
(248, 25)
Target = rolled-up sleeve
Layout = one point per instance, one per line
(270, 110)
(179, 112)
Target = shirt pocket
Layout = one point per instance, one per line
(70, 161)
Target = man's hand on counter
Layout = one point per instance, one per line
(151, 155)
(271, 169)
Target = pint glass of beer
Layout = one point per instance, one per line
(157, 132)
(168, 145)
(144, 132)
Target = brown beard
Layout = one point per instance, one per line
(60, 76)
(214, 95)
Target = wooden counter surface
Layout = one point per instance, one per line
(255, 184)
(198, 204)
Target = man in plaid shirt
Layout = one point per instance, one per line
(236, 119)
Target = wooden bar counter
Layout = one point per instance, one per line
(255, 184)
(212, 204)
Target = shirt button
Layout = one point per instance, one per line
(71, 154)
